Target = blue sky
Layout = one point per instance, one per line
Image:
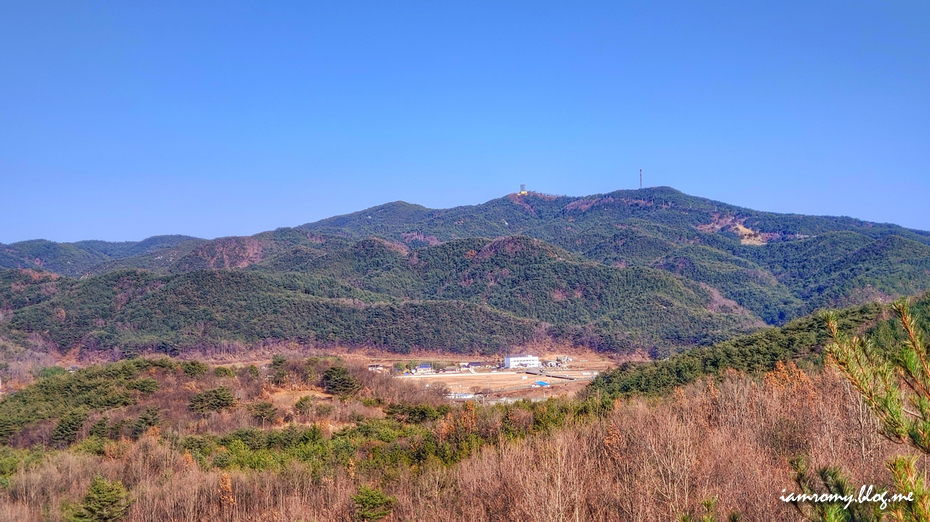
(122, 120)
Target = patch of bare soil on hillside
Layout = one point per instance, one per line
(729, 223)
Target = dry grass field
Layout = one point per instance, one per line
(500, 383)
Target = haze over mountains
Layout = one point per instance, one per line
(651, 269)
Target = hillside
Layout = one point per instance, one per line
(323, 438)
(135, 311)
(801, 341)
(82, 257)
(371, 295)
(651, 269)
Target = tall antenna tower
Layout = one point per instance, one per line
(640, 178)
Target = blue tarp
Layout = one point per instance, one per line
(542, 383)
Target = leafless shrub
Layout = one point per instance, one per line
(646, 461)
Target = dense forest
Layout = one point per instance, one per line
(648, 271)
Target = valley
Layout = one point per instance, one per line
(676, 335)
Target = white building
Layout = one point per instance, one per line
(521, 361)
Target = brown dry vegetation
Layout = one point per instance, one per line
(643, 461)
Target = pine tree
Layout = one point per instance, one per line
(832, 482)
(372, 504)
(105, 502)
(216, 399)
(148, 418)
(66, 431)
(263, 411)
(710, 513)
(895, 382)
(338, 381)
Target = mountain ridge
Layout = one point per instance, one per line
(650, 269)
(40, 253)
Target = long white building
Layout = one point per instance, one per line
(521, 361)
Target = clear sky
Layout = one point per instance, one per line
(122, 120)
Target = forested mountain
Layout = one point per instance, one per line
(650, 269)
(82, 257)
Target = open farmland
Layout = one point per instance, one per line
(506, 383)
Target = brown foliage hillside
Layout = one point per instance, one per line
(643, 461)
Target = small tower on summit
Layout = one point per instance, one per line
(523, 191)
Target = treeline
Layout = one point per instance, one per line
(800, 341)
